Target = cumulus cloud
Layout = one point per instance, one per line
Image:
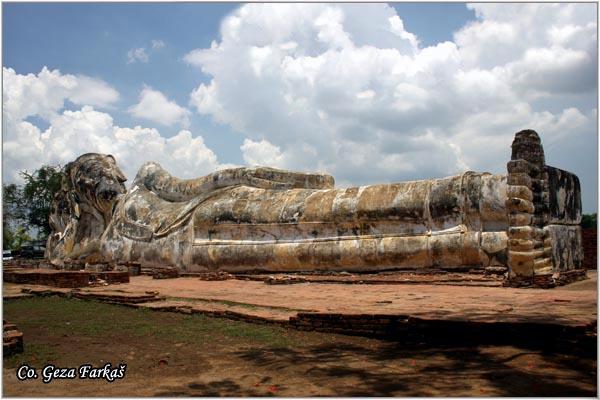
(343, 88)
(138, 54)
(83, 129)
(158, 44)
(548, 48)
(346, 88)
(262, 153)
(45, 93)
(154, 106)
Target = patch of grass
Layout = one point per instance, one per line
(231, 303)
(33, 354)
(235, 303)
(225, 302)
(73, 317)
(259, 333)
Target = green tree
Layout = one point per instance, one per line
(38, 192)
(27, 207)
(12, 200)
(588, 221)
(13, 239)
(13, 217)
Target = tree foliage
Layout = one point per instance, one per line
(27, 207)
(38, 192)
(588, 221)
(13, 217)
(12, 196)
(13, 239)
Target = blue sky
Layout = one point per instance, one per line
(93, 39)
(443, 107)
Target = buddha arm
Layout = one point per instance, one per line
(158, 180)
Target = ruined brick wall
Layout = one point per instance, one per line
(589, 238)
(62, 279)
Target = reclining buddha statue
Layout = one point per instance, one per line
(263, 219)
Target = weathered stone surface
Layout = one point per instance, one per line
(520, 219)
(521, 244)
(564, 197)
(519, 191)
(520, 179)
(567, 250)
(521, 232)
(519, 205)
(251, 219)
(397, 225)
(83, 208)
(528, 146)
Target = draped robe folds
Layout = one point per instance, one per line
(248, 219)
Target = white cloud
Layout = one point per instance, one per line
(157, 44)
(72, 132)
(45, 93)
(138, 54)
(534, 46)
(365, 94)
(344, 87)
(262, 153)
(154, 106)
(93, 91)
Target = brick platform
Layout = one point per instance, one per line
(12, 339)
(113, 276)
(62, 279)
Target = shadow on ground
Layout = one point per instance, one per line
(384, 368)
(220, 388)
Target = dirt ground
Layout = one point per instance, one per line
(170, 354)
(489, 304)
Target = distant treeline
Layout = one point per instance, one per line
(588, 221)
